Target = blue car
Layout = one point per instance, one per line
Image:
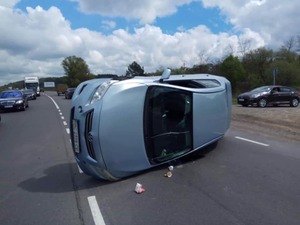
(121, 127)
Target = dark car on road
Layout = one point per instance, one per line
(69, 93)
(13, 100)
(31, 94)
(270, 95)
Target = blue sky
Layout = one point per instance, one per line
(36, 35)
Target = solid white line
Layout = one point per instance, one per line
(97, 216)
(57, 107)
(251, 141)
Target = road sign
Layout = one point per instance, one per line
(49, 84)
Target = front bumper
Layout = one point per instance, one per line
(245, 101)
(7, 107)
(86, 145)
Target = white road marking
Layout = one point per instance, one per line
(57, 107)
(251, 141)
(97, 216)
(68, 132)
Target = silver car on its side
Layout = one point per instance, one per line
(120, 127)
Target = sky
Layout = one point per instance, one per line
(37, 35)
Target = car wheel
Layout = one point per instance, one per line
(294, 102)
(262, 103)
(245, 105)
(24, 107)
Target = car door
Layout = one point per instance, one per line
(285, 94)
(274, 95)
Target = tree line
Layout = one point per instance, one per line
(254, 68)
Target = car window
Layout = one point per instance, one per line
(167, 123)
(261, 89)
(285, 89)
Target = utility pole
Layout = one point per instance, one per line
(274, 73)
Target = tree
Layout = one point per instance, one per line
(76, 70)
(256, 64)
(287, 73)
(134, 69)
(233, 70)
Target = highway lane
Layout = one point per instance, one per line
(246, 179)
(35, 170)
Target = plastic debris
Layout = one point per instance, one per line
(171, 168)
(168, 174)
(139, 188)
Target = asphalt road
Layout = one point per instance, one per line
(247, 179)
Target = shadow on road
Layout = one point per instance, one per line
(57, 179)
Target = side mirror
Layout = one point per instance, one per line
(166, 74)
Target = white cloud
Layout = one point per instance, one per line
(276, 21)
(37, 40)
(41, 39)
(108, 24)
(8, 3)
(145, 11)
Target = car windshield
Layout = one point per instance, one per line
(31, 85)
(167, 123)
(261, 89)
(11, 94)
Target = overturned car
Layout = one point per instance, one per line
(120, 127)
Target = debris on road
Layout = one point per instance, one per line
(139, 188)
(168, 174)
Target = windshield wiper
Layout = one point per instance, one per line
(170, 133)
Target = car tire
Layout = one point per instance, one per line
(24, 107)
(262, 103)
(245, 105)
(294, 102)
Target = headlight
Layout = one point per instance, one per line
(19, 102)
(100, 91)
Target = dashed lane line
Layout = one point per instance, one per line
(251, 141)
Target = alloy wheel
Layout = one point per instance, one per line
(262, 103)
(295, 102)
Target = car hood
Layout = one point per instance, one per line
(121, 129)
(249, 93)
